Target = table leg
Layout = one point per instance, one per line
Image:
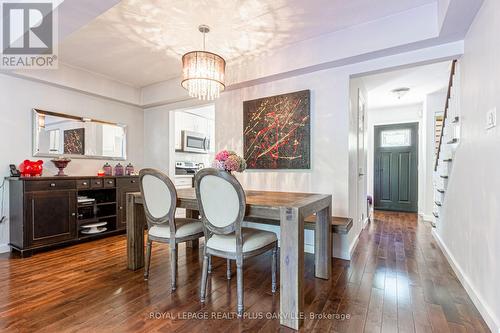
(193, 214)
(323, 243)
(135, 234)
(291, 267)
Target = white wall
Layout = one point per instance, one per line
(397, 115)
(19, 96)
(469, 227)
(329, 136)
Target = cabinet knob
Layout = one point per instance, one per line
(73, 214)
(110, 182)
(121, 207)
(52, 184)
(84, 184)
(98, 183)
(132, 181)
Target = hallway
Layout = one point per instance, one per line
(402, 282)
(398, 280)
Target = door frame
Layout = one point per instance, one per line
(417, 127)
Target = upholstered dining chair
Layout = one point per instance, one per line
(160, 199)
(222, 202)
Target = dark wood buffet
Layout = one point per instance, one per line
(51, 211)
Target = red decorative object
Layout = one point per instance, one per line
(31, 168)
(61, 163)
(100, 173)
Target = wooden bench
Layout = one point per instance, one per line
(340, 225)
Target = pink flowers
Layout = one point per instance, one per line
(222, 155)
(229, 161)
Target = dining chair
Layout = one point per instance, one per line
(222, 203)
(160, 199)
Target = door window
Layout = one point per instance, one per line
(395, 138)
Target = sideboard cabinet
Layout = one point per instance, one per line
(50, 211)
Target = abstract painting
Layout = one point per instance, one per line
(277, 131)
(74, 141)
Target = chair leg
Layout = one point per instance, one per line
(148, 259)
(204, 277)
(274, 268)
(209, 264)
(228, 271)
(239, 286)
(173, 266)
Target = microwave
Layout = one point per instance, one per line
(194, 142)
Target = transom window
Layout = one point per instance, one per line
(395, 138)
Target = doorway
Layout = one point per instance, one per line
(396, 167)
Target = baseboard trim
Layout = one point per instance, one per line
(353, 246)
(364, 223)
(487, 314)
(4, 248)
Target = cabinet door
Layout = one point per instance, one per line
(122, 192)
(122, 209)
(51, 217)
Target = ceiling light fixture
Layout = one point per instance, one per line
(400, 92)
(203, 72)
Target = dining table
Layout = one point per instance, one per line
(284, 209)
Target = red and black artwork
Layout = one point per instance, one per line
(277, 131)
(74, 141)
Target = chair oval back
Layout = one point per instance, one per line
(221, 200)
(159, 195)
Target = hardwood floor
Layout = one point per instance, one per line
(397, 281)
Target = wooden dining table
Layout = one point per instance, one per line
(284, 209)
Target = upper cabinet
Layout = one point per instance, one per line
(185, 121)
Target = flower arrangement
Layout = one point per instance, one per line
(229, 161)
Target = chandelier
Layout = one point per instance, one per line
(203, 72)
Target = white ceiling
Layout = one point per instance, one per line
(421, 80)
(140, 42)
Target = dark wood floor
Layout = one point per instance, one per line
(398, 280)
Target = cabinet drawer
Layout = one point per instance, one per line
(128, 182)
(109, 183)
(44, 185)
(97, 183)
(83, 183)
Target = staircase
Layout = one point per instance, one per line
(447, 144)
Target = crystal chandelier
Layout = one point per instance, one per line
(203, 72)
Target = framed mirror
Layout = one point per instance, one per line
(56, 134)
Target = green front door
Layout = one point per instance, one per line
(396, 167)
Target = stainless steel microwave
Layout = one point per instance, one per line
(195, 142)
